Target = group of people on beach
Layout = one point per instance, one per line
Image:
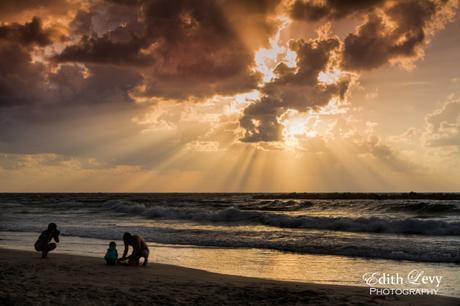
(140, 248)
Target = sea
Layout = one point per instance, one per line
(319, 238)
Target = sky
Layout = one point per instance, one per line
(229, 95)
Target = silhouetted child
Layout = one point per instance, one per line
(112, 255)
(43, 242)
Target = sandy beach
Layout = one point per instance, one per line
(26, 279)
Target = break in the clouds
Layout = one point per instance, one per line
(392, 31)
(150, 82)
(297, 88)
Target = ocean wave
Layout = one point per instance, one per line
(277, 205)
(425, 250)
(235, 215)
(423, 207)
(401, 206)
(309, 244)
(9, 205)
(361, 196)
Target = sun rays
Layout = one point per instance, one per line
(228, 96)
(267, 58)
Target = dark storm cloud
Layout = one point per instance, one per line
(78, 110)
(13, 7)
(26, 34)
(186, 48)
(107, 49)
(105, 16)
(97, 85)
(259, 120)
(180, 49)
(309, 10)
(297, 89)
(393, 29)
(197, 51)
(27, 82)
(376, 42)
(20, 80)
(110, 34)
(127, 2)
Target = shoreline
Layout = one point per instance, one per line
(82, 280)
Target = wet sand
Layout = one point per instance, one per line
(26, 279)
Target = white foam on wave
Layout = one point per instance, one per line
(232, 215)
(345, 236)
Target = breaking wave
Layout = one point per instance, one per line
(312, 243)
(235, 215)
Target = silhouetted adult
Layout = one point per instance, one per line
(43, 242)
(140, 249)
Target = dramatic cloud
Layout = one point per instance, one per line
(260, 121)
(39, 99)
(311, 10)
(393, 31)
(25, 82)
(115, 47)
(72, 84)
(13, 8)
(20, 79)
(111, 33)
(182, 85)
(296, 88)
(185, 48)
(396, 33)
(27, 34)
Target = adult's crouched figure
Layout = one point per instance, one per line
(43, 243)
(140, 250)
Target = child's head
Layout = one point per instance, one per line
(112, 244)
